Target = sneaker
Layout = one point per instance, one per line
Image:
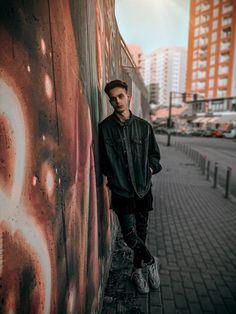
(139, 281)
(153, 274)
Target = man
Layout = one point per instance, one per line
(129, 155)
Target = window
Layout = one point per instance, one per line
(224, 69)
(197, 20)
(216, 2)
(212, 71)
(211, 82)
(215, 12)
(212, 60)
(196, 32)
(222, 82)
(213, 48)
(214, 36)
(215, 24)
(210, 93)
(194, 75)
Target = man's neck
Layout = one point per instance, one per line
(123, 116)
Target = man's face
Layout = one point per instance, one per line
(119, 99)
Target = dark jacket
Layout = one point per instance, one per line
(127, 151)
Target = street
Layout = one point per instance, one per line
(219, 150)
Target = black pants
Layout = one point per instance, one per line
(134, 229)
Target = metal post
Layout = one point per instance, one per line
(169, 121)
(203, 165)
(227, 185)
(215, 175)
(208, 170)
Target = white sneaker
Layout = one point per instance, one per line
(139, 281)
(153, 274)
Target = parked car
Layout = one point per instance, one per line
(230, 134)
(217, 133)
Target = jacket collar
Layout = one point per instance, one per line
(122, 123)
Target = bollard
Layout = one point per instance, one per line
(203, 165)
(208, 170)
(168, 138)
(227, 185)
(215, 175)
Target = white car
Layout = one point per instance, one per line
(230, 134)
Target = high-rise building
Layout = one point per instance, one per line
(211, 69)
(136, 53)
(164, 70)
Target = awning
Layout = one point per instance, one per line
(213, 120)
(198, 120)
(201, 120)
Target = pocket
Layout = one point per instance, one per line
(139, 145)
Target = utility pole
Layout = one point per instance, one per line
(169, 120)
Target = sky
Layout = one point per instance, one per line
(153, 23)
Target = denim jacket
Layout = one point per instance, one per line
(127, 152)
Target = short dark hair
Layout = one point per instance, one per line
(113, 84)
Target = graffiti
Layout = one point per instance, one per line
(51, 259)
(55, 226)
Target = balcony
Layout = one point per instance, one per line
(205, 7)
(227, 20)
(227, 8)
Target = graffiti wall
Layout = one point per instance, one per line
(55, 227)
(55, 230)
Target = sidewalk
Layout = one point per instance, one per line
(193, 231)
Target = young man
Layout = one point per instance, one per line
(129, 156)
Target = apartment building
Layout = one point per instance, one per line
(136, 53)
(211, 67)
(164, 70)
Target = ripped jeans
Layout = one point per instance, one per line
(134, 230)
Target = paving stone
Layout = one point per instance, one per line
(191, 295)
(169, 307)
(231, 305)
(177, 288)
(201, 289)
(206, 303)
(180, 301)
(225, 292)
(210, 284)
(167, 293)
(195, 308)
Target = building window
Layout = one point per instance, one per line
(216, 2)
(222, 82)
(194, 75)
(197, 8)
(212, 71)
(194, 86)
(214, 36)
(212, 60)
(215, 24)
(213, 48)
(211, 82)
(196, 32)
(223, 69)
(227, 8)
(197, 20)
(215, 12)
(210, 93)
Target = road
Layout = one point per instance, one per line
(219, 150)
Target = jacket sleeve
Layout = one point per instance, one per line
(154, 155)
(102, 152)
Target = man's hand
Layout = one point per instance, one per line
(151, 170)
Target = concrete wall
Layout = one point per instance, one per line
(55, 222)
